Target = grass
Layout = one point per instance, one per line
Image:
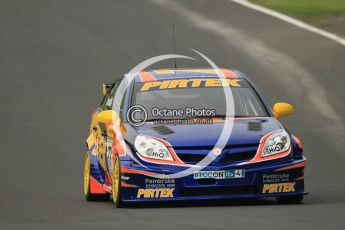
(326, 14)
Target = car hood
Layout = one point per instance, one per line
(245, 131)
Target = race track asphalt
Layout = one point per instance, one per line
(54, 55)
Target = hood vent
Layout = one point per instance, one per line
(254, 126)
(162, 130)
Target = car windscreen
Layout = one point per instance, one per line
(186, 98)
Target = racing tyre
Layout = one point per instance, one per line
(116, 184)
(290, 199)
(88, 195)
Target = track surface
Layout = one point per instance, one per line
(54, 55)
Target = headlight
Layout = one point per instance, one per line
(277, 142)
(151, 148)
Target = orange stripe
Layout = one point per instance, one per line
(299, 165)
(228, 74)
(124, 184)
(300, 178)
(133, 171)
(95, 187)
(119, 149)
(298, 141)
(146, 76)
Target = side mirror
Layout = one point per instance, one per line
(105, 87)
(282, 109)
(107, 116)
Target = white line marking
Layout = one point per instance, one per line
(290, 20)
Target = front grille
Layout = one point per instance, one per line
(210, 181)
(214, 191)
(238, 157)
(191, 158)
(226, 158)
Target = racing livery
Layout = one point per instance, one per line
(179, 116)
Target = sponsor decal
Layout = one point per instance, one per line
(190, 83)
(157, 155)
(159, 183)
(276, 178)
(155, 193)
(279, 187)
(224, 174)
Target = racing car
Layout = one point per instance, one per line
(156, 137)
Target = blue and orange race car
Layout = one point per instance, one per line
(175, 134)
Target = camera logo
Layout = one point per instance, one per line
(137, 115)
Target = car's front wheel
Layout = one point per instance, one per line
(296, 199)
(116, 184)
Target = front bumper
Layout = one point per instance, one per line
(261, 180)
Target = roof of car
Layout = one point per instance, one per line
(166, 74)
